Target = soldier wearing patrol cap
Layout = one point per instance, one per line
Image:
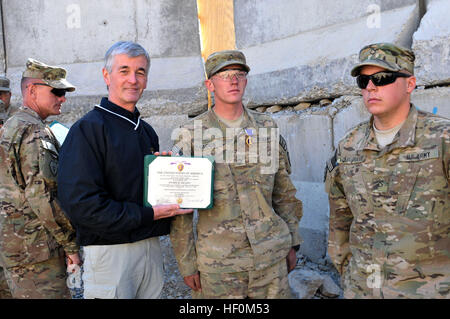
(246, 243)
(6, 110)
(35, 233)
(389, 185)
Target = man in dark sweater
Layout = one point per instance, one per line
(101, 185)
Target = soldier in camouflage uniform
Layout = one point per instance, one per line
(388, 186)
(6, 109)
(246, 243)
(34, 232)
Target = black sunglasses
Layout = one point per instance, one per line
(379, 78)
(57, 92)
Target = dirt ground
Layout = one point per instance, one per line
(175, 288)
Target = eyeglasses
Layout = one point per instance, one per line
(380, 78)
(57, 92)
(228, 75)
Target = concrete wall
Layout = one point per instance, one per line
(2, 50)
(312, 61)
(77, 34)
(431, 43)
(298, 51)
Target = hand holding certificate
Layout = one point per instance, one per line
(186, 181)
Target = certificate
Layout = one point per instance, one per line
(60, 131)
(186, 181)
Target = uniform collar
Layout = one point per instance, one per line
(31, 112)
(405, 137)
(247, 122)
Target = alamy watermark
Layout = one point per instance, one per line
(239, 146)
(375, 279)
(74, 16)
(374, 19)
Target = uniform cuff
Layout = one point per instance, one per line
(71, 249)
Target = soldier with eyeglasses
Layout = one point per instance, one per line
(389, 188)
(36, 236)
(246, 244)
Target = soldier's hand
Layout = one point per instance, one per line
(164, 211)
(193, 281)
(73, 259)
(291, 260)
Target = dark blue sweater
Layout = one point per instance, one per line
(101, 177)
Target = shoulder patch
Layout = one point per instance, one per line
(283, 143)
(332, 162)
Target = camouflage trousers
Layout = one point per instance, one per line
(405, 284)
(269, 283)
(4, 289)
(44, 280)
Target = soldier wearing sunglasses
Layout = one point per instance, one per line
(389, 185)
(36, 236)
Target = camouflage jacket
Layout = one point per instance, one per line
(254, 221)
(390, 210)
(32, 225)
(6, 114)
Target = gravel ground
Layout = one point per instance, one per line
(175, 288)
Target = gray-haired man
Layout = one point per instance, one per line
(101, 185)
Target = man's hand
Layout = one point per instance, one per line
(163, 153)
(193, 281)
(73, 259)
(164, 211)
(291, 260)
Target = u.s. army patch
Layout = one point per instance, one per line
(419, 156)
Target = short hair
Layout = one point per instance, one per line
(24, 83)
(131, 49)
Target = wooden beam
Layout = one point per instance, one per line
(216, 18)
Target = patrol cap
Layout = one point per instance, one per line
(51, 75)
(218, 60)
(4, 84)
(386, 55)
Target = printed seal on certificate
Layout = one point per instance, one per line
(186, 181)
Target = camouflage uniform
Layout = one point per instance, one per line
(6, 111)
(4, 288)
(390, 207)
(254, 221)
(34, 231)
(4, 115)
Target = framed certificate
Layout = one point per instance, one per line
(186, 181)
